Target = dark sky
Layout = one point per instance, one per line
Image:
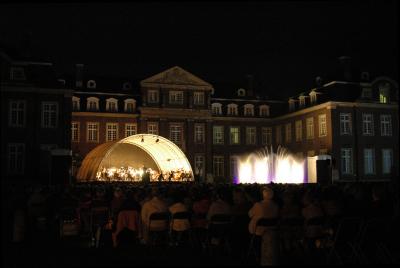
(285, 44)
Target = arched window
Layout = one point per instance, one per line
(232, 109)
(248, 110)
(92, 104)
(112, 105)
(91, 84)
(130, 105)
(302, 100)
(76, 105)
(313, 97)
(264, 110)
(216, 108)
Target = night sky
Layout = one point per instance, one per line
(284, 44)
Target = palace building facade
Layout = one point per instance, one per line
(355, 123)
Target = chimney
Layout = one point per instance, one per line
(79, 75)
(346, 67)
(250, 85)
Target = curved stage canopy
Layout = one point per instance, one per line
(137, 152)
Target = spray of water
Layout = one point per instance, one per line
(265, 166)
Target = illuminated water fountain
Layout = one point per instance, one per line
(265, 166)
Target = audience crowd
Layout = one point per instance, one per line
(119, 214)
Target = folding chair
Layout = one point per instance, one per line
(157, 231)
(268, 224)
(178, 234)
(344, 241)
(219, 231)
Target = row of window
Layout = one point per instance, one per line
(232, 109)
(367, 124)
(234, 135)
(92, 104)
(17, 114)
(369, 161)
(175, 97)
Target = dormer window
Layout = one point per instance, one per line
(127, 86)
(130, 105)
(92, 104)
(249, 110)
(384, 91)
(216, 108)
(302, 101)
(111, 105)
(292, 105)
(241, 92)
(264, 110)
(91, 84)
(313, 97)
(76, 106)
(17, 74)
(232, 109)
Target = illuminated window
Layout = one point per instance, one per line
(251, 137)
(232, 109)
(264, 110)
(218, 135)
(175, 133)
(299, 130)
(266, 135)
(76, 105)
(130, 105)
(198, 98)
(368, 124)
(249, 110)
(16, 158)
(176, 97)
(111, 132)
(288, 133)
(369, 161)
(323, 151)
(152, 128)
(322, 125)
(347, 160)
(386, 125)
(310, 128)
(112, 105)
(17, 113)
(216, 108)
(218, 165)
(49, 114)
(313, 97)
(234, 135)
(384, 90)
(345, 124)
(311, 153)
(387, 161)
(92, 104)
(199, 165)
(199, 133)
(75, 131)
(152, 96)
(130, 129)
(92, 132)
(302, 100)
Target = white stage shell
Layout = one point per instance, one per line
(166, 155)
